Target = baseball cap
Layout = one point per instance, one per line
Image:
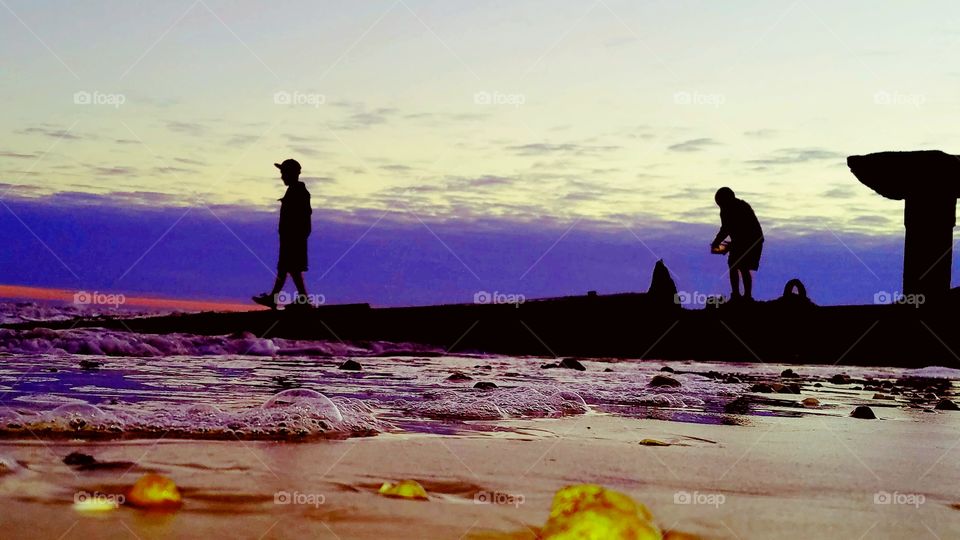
(288, 164)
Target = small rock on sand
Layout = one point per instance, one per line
(79, 458)
(811, 402)
(663, 380)
(762, 388)
(457, 376)
(789, 374)
(350, 365)
(668, 369)
(946, 405)
(485, 385)
(864, 412)
(840, 378)
(741, 405)
(572, 363)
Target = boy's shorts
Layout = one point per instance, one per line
(293, 254)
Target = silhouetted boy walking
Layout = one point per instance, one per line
(294, 230)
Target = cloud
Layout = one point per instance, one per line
(792, 156)
(363, 119)
(693, 145)
(188, 128)
(396, 168)
(306, 150)
(114, 171)
(16, 155)
(172, 170)
(241, 139)
(323, 180)
(57, 133)
(843, 192)
(540, 149)
(479, 182)
(872, 221)
(189, 161)
(761, 133)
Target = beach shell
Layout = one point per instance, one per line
(588, 511)
(653, 442)
(154, 491)
(404, 489)
(811, 402)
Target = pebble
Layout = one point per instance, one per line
(863, 412)
(946, 405)
(663, 380)
(741, 405)
(457, 376)
(485, 385)
(572, 363)
(350, 365)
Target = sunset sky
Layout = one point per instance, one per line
(437, 127)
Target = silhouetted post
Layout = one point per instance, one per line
(928, 182)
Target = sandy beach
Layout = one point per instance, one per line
(820, 475)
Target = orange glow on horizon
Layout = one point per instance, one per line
(68, 296)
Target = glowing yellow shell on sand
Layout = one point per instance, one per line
(154, 491)
(592, 512)
(404, 489)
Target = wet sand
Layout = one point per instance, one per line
(772, 477)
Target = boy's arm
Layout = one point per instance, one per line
(721, 236)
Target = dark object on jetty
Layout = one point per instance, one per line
(928, 182)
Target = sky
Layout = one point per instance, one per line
(534, 147)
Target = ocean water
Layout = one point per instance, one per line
(95, 383)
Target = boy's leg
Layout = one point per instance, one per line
(298, 281)
(278, 283)
(747, 284)
(734, 283)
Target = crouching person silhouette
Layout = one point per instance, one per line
(740, 224)
(294, 230)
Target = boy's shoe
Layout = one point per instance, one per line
(266, 299)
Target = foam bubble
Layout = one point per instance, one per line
(305, 398)
(294, 413)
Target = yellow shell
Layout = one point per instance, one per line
(154, 491)
(592, 512)
(404, 489)
(653, 442)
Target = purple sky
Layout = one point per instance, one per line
(87, 242)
